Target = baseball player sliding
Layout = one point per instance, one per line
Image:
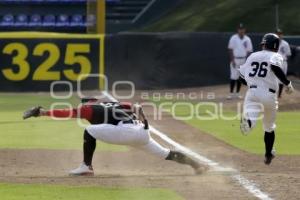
(113, 123)
(239, 47)
(261, 73)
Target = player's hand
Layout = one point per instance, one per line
(289, 89)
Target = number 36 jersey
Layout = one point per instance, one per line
(257, 69)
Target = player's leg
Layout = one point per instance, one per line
(269, 139)
(121, 134)
(234, 77)
(251, 112)
(136, 136)
(238, 86)
(182, 158)
(154, 148)
(89, 146)
(232, 82)
(238, 62)
(269, 128)
(232, 86)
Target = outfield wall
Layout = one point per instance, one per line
(34, 61)
(174, 60)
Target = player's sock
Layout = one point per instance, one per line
(280, 90)
(238, 86)
(232, 85)
(182, 159)
(269, 142)
(89, 146)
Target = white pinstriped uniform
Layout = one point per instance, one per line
(261, 96)
(241, 47)
(284, 50)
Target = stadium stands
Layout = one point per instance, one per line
(49, 20)
(63, 15)
(124, 11)
(7, 20)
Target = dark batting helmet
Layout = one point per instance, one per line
(271, 41)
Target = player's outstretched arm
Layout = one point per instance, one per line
(282, 77)
(84, 112)
(32, 112)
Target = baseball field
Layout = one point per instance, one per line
(37, 154)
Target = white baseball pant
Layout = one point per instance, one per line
(261, 101)
(128, 134)
(234, 70)
(285, 67)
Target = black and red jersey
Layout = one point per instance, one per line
(98, 113)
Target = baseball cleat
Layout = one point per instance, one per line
(82, 170)
(230, 96)
(239, 96)
(32, 112)
(245, 126)
(268, 159)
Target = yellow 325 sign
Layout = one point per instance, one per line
(19, 53)
(46, 59)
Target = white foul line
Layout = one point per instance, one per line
(248, 185)
(236, 176)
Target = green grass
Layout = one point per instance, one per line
(51, 192)
(287, 132)
(39, 133)
(224, 15)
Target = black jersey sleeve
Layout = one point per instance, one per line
(280, 75)
(243, 81)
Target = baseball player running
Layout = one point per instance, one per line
(284, 50)
(240, 47)
(261, 73)
(113, 123)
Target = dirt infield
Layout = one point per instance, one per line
(134, 168)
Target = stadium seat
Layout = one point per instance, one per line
(77, 20)
(62, 20)
(49, 20)
(21, 20)
(8, 20)
(35, 20)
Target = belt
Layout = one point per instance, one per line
(128, 122)
(270, 89)
(240, 57)
(146, 125)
